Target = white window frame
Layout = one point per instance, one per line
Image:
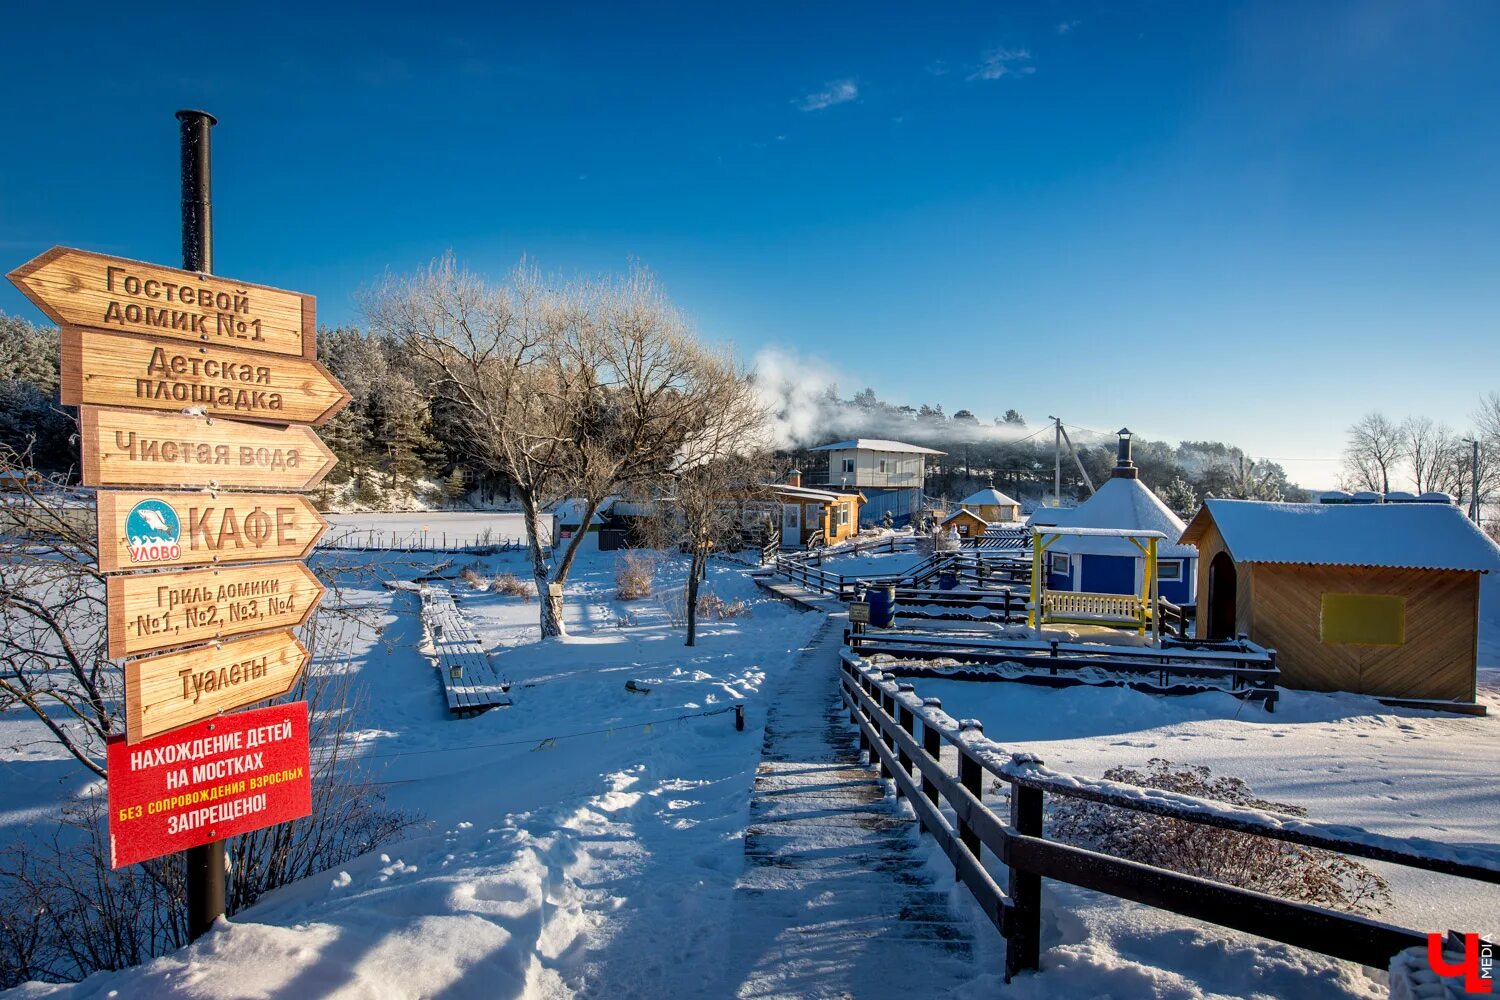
(882, 466)
(848, 465)
(1177, 570)
(1067, 564)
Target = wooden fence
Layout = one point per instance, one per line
(1175, 667)
(911, 740)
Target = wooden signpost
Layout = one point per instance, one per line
(138, 338)
(79, 288)
(161, 530)
(212, 780)
(112, 369)
(134, 448)
(166, 692)
(161, 610)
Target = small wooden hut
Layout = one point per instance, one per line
(966, 523)
(814, 515)
(992, 506)
(1379, 599)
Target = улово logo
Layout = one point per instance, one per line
(153, 530)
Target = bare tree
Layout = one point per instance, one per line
(1430, 448)
(574, 390)
(53, 658)
(717, 486)
(1373, 451)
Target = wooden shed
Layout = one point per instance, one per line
(966, 523)
(1378, 599)
(992, 506)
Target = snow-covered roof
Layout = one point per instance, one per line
(1061, 532)
(803, 493)
(1119, 503)
(878, 444)
(989, 497)
(1399, 535)
(963, 513)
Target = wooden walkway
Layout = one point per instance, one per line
(477, 687)
(835, 900)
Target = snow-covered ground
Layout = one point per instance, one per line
(438, 528)
(586, 842)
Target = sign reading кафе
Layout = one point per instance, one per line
(159, 530)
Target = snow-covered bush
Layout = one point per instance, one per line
(470, 575)
(635, 572)
(513, 586)
(1304, 874)
(714, 606)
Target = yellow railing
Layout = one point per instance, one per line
(1112, 606)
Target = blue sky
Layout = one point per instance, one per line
(1248, 222)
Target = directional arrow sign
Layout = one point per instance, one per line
(149, 611)
(217, 779)
(177, 689)
(157, 530)
(79, 288)
(131, 448)
(114, 369)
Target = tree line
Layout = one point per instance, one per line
(1423, 455)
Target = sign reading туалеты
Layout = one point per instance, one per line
(212, 780)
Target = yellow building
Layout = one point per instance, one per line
(991, 505)
(965, 523)
(807, 514)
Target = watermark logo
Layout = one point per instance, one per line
(154, 532)
(1477, 967)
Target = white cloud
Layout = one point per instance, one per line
(836, 92)
(1004, 62)
(1066, 27)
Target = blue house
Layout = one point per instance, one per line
(1102, 565)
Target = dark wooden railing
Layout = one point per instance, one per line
(1250, 669)
(910, 739)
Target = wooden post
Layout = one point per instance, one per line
(932, 742)
(907, 722)
(1024, 937)
(888, 703)
(971, 776)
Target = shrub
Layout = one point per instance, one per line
(714, 606)
(513, 586)
(635, 572)
(470, 575)
(1304, 874)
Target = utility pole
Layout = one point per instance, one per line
(1056, 461)
(1473, 444)
(206, 870)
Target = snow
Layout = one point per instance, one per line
(1404, 535)
(1353, 763)
(1119, 503)
(588, 840)
(988, 497)
(439, 529)
(878, 444)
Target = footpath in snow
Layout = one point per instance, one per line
(834, 900)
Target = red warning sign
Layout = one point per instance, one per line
(215, 779)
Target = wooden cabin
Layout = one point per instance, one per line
(965, 523)
(1379, 599)
(808, 514)
(992, 506)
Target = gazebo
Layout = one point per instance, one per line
(1074, 607)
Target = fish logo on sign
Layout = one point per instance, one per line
(154, 531)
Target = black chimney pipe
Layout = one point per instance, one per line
(1124, 467)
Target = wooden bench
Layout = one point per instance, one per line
(1084, 608)
(470, 683)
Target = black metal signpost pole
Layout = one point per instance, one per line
(206, 871)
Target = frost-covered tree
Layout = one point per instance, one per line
(1373, 451)
(1179, 497)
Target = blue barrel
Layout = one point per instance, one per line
(882, 606)
(948, 579)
